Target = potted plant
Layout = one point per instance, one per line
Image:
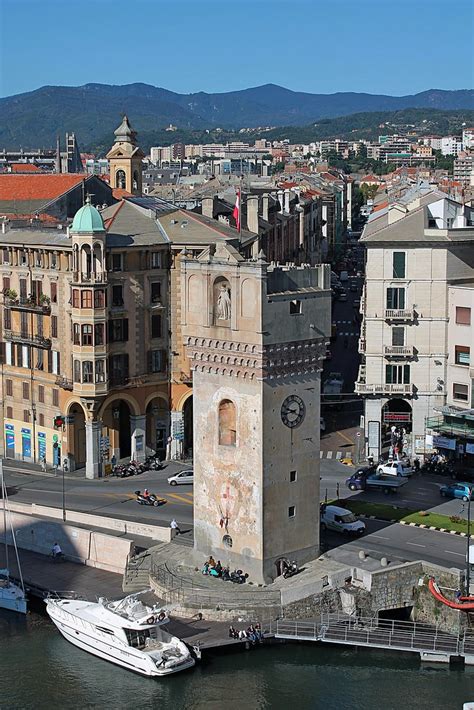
(10, 293)
(44, 300)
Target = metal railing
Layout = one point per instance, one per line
(366, 388)
(399, 313)
(450, 427)
(24, 303)
(84, 277)
(376, 633)
(175, 589)
(64, 383)
(17, 337)
(399, 350)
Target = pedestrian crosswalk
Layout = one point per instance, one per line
(336, 455)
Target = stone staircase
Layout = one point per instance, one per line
(137, 573)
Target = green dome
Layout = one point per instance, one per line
(87, 220)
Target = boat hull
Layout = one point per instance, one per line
(126, 657)
(13, 599)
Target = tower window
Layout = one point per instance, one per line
(292, 476)
(227, 423)
(120, 179)
(296, 307)
(292, 511)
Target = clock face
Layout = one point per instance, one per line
(293, 411)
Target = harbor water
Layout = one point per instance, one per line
(39, 669)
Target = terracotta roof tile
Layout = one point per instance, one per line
(119, 193)
(42, 186)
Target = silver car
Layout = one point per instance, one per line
(181, 478)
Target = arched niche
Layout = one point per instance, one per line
(222, 297)
(227, 423)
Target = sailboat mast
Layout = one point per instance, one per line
(4, 502)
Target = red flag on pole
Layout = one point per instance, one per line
(236, 212)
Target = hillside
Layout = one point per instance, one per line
(34, 119)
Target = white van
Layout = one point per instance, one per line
(340, 520)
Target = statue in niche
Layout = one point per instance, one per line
(223, 303)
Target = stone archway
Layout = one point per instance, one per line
(157, 425)
(188, 427)
(396, 412)
(76, 436)
(116, 419)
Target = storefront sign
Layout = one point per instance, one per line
(42, 445)
(10, 440)
(26, 443)
(442, 442)
(397, 417)
(373, 439)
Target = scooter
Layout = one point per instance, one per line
(151, 499)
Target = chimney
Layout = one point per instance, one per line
(287, 202)
(280, 199)
(252, 213)
(265, 200)
(5, 225)
(207, 206)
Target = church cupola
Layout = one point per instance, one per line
(125, 160)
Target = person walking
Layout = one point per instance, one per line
(174, 526)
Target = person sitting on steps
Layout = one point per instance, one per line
(56, 551)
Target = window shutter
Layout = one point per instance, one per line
(125, 328)
(149, 361)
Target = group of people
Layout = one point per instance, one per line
(252, 633)
(215, 569)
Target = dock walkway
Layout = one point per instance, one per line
(42, 574)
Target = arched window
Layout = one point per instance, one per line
(120, 179)
(227, 423)
(135, 180)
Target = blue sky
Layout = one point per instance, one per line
(322, 46)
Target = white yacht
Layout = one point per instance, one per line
(12, 596)
(126, 632)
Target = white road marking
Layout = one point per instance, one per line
(381, 537)
(415, 544)
(450, 552)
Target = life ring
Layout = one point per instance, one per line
(150, 620)
(162, 616)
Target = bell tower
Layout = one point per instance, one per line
(255, 335)
(125, 159)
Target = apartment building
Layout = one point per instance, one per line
(463, 169)
(417, 248)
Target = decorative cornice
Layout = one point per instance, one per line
(246, 360)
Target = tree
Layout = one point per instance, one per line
(368, 191)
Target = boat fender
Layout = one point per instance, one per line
(150, 620)
(162, 616)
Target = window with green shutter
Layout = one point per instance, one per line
(399, 264)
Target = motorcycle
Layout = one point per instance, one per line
(151, 499)
(153, 463)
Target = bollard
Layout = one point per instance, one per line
(362, 555)
(383, 562)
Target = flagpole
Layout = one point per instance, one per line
(240, 213)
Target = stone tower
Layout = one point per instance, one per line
(255, 335)
(125, 159)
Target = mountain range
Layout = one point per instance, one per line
(33, 119)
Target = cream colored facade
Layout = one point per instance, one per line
(256, 380)
(415, 251)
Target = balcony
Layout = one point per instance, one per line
(81, 277)
(39, 341)
(401, 314)
(362, 387)
(399, 351)
(27, 304)
(64, 383)
(362, 346)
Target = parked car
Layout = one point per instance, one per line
(458, 490)
(353, 287)
(394, 468)
(181, 478)
(343, 276)
(356, 303)
(340, 520)
(343, 296)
